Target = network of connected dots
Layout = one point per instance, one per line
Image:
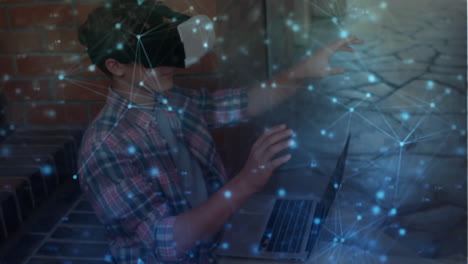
(369, 101)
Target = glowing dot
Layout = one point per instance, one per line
(296, 28)
(460, 77)
(368, 95)
(454, 127)
(61, 77)
(335, 20)
(393, 211)
(209, 26)
(141, 84)
(402, 144)
(409, 61)
(131, 150)
(46, 170)
(118, 26)
(334, 100)
(154, 172)
(376, 210)
(119, 46)
(383, 258)
(281, 192)
(380, 195)
(448, 91)
(313, 164)
(371, 78)
(75, 177)
(180, 111)
(342, 240)
(383, 5)
(274, 85)
(130, 196)
(310, 87)
(405, 116)
(344, 34)
(164, 101)
(433, 105)
(197, 21)
(402, 231)
(194, 30)
(336, 186)
(224, 58)
(138, 37)
(430, 85)
(225, 245)
(323, 132)
(129, 106)
(263, 85)
(292, 144)
(205, 45)
(227, 194)
(317, 221)
(92, 68)
(359, 217)
(351, 109)
(309, 53)
(170, 109)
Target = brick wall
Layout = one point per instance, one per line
(45, 73)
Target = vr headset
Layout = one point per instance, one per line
(179, 43)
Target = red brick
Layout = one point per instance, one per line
(6, 66)
(3, 20)
(48, 65)
(208, 64)
(55, 114)
(26, 90)
(95, 109)
(82, 90)
(83, 10)
(63, 40)
(18, 42)
(40, 15)
(15, 113)
(14, 1)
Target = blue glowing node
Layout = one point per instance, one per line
(317, 221)
(383, 258)
(448, 91)
(313, 164)
(5, 151)
(118, 26)
(380, 195)
(108, 258)
(75, 177)
(323, 132)
(164, 101)
(376, 210)
(368, 95)
(372, 78)
(129, 106)
(154, 172)
(351, 109)
(344, 34)
(61, 77)
(454, 127)
(296, 28)
(433, 105)
(131, 150)
(227, 194)
(130, 196)
(281, 192)
(405, 116)
(225, 245)
(336, 186)
(383, 5)
(334, 100)
(342, 240)
(119, 46)
(402, 232)
(402, 144)
(293, 144)
(430, 85)
(460, 78)
(335, 20)
(359, 217)
(310, 87)
(393, 211)
(46, 170)
(138, 37)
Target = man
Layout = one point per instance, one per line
(148, 163)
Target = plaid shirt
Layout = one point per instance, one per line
(130, 178)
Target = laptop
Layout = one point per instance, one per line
(282, 226)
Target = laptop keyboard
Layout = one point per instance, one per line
(286, 226)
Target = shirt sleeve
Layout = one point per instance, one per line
(223, 107)
(129, 201)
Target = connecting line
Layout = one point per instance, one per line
(349, 123)
(367, 226)
(336, 121)
(102, 141)
(386, 121)
(85, 85)
(378, 128)
(398, 176)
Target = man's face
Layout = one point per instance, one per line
(159, 79)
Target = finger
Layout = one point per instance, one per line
(268, 133)
(275, 149)
(280, 161)
(335, 71)
(274, 139)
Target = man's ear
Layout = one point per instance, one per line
(115, 67)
